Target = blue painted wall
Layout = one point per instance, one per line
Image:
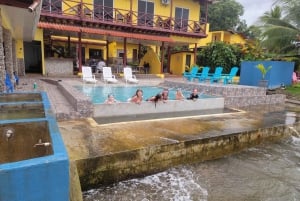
(39, 179)
(281, 73)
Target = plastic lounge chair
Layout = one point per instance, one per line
(108, 77)
(191, 75)
(217, 75)
(8, 84)
(87, 75)
(128, 76)
(295, 79)
(203, 75)
(227, 78)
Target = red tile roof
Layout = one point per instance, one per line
(46, 25)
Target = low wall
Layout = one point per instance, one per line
(234, 95)
(105, 110)
(107, 169)
(79, 101)
(58, 67)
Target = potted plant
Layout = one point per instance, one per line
(263, 82)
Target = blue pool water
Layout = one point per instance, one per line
(99, 94)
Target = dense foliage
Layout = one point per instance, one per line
(219, 54)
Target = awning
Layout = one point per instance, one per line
(61, 27)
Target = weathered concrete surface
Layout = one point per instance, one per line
(109, 153)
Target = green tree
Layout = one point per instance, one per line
(281, 27)
(220, 54)
(225, 15)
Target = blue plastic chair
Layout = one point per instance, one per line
(203, 75)
(217, 75)
(191, 75)
(8, 84)
(227, 78)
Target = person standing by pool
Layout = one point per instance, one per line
(110, 99)
(179, 95)
(137, 97)
(194, 96)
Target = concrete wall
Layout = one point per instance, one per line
(58, 67)
(234, 95)
(42, 178)
(103, 110)
(280, 73)
(107, 169)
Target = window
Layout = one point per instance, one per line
(181, 19)
(52, 6)
(103, 9)
(145, 12)
(120, 53)
(95, 53)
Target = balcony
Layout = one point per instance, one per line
(87, 15)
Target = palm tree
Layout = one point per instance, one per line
(280, 27)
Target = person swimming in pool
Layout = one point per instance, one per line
(179, 95)
(165, 95)
(137, 97)
(194, 95)
(110, 99)
(155, 99)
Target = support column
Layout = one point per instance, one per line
(195, 53)
(162, 57)
(2, 63)
(125, 52)
(7, 37)
(79, 52)
(107, 52)
(169, 59)
(139, 52)
(69, 46)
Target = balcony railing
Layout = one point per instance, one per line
(74, 9)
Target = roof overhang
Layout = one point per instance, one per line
(107, 35)
(17, 17)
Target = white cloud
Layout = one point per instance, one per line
(253, 9)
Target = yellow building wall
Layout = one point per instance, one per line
(178, 61)
(153, 60)
(39, 36)
(19, 49)
(237, 38)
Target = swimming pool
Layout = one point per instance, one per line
(98, 94)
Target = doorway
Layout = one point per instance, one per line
(33, 57)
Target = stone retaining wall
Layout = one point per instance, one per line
(79, 101)
(234, 95)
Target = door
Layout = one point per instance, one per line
(33, 57)
(103, 9)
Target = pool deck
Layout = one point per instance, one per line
(86, 139)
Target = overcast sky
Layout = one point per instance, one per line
(253, 9)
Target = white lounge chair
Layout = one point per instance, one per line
(108, 76)
(128, 76)
(87, 75)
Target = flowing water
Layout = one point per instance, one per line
(269, 172)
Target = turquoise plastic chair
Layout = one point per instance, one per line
(203, 75)
(217, 75)
(191, 75)
(227, 78)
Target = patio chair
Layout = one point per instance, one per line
(191, 75)
(217, 75)
(128, 76)
(203, 75)
(295, 79)
(108, 77)
(227, 78)
(87, 75)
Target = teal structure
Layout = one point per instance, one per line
(38, 179)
